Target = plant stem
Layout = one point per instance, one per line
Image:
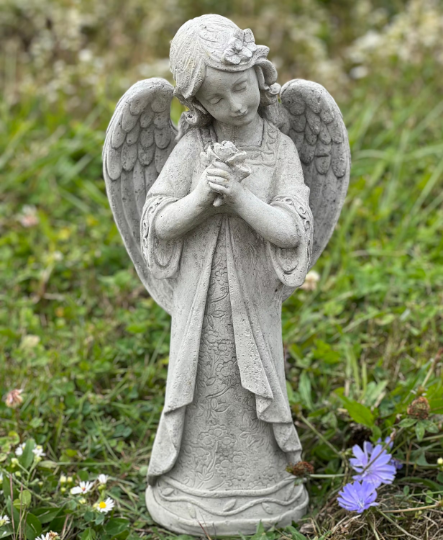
(397, 525)
(312, 428)
(326, 475)
(417, 509)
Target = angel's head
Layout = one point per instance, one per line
(220, 72)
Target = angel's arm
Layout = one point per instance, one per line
(176, 219)
(273, 223)
(191, 207)
(270, 222)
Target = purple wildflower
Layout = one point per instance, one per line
(357, 497)
(395, 462)
(388, 441)
(380, 469)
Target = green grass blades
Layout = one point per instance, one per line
(89, 348)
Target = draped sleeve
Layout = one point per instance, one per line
(292, 196)
(163, 256)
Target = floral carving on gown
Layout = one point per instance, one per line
(226, 433)
(213, 455)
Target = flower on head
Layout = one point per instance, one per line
(240, 47)
(14, 398)
(419, 408)
(102, 479)
(19, 450)
(4, 520)
(440, 462)
(105, 506)
(63, 479)
(373, 464)
(357, 497)
(83, 487)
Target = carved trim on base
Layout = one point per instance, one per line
(172, 507)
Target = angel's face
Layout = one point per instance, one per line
(231, 98)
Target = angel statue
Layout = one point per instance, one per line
(222, 218)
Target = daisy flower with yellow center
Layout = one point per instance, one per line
(82, 488)
(105, 506)
(4, 520)
(50, 536)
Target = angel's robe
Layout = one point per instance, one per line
(260, 276)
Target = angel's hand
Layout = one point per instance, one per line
(205, 196)
(222, 180)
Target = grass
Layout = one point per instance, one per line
(90, 349)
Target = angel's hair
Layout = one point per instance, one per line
(212, 40)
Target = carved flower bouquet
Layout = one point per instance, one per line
(227, 153)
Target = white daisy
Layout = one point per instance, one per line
(19, 450)
(84, 487)
(102, 479)
(38, 451)
(105, 506)
(4, 520)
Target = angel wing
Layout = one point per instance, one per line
(315, 124)
(138, 142)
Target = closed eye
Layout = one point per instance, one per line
(214, 101)
(240, 88)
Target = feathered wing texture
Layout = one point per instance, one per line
(315, 124)
(138, 142)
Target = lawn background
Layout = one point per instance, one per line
(89, 347)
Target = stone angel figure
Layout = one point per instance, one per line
(222, 218)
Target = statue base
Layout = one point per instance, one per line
(184, 510)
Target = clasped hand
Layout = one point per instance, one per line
(219, 179)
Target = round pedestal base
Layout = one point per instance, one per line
(224, 513)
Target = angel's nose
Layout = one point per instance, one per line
(237, 107)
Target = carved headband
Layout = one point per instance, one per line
(214, 41)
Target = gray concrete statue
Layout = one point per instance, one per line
(222, 219)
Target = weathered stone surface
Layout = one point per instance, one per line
(221, 227)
